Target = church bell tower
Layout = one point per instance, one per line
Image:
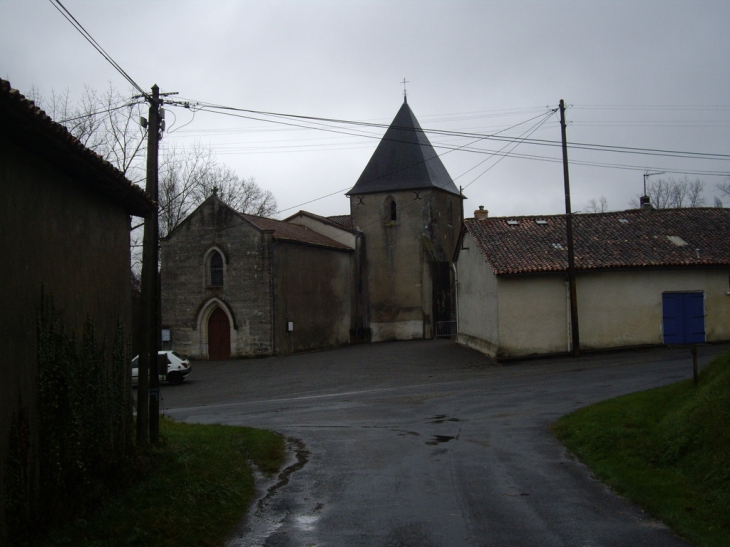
(410, 212)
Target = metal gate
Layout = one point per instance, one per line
(683, 317)
(445, 329)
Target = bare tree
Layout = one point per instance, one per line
(242, 194)
(673, 193)
(694, 192)
(724, 187)
(106, 123)
(181, 173)
(188, 177)
(597, 206)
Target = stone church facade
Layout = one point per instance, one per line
(235, 285)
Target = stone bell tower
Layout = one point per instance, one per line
(410, 213)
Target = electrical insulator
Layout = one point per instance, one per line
(143, 121)
(162, 113)
(162, 125)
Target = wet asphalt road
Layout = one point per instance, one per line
(421, 444)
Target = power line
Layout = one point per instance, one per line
(104, 111)
(528, 133)
(209, 107)
(490, 152)
(408, 166)
(89, 38)
(531, 130)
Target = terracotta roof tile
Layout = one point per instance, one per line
(285, 231)
(28, 125)
(627, 239)
(343, 220)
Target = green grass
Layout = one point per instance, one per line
(667, 449)
(199, 484)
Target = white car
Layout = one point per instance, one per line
(177, 368)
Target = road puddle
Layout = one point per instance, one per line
(437, 439)
(307, 522)
(441, 418)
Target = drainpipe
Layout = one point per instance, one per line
(456, 297)
(268, 242)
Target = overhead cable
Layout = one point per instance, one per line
(89, 38)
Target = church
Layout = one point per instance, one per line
(236, 285)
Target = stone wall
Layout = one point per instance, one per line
(246, 295)
(399, 255)
(314, 288)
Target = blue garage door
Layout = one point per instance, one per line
(684, 317)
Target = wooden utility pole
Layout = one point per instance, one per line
(569, 230)
(148, 389)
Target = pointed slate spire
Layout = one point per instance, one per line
(404, 160)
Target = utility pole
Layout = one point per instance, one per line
(148, 390)
(569, 230)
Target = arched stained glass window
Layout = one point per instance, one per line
(216, 269)
(393, 212)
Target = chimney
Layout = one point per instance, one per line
(481, 213)
(645, 203)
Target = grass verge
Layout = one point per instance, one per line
(198, 486)
(666, 449)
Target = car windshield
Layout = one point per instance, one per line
(178, 355)
(135, 361)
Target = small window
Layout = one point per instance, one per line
(540, 221)
(393, 212)
(513, 222)
(216, 270)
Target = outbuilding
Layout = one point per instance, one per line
(643, 277)
(65, 230)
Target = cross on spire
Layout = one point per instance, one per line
(405, 93)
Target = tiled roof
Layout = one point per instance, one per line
(404, 160)
(285, 231)
(627, 239)
(29, 126)
(343, 220)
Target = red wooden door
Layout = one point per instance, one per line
(219, 335)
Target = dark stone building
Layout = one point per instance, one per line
(238, 285)
(65, 227)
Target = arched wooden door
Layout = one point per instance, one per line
(219, 335)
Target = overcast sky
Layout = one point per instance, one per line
(645, 74)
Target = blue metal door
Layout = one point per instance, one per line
(684, 318)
